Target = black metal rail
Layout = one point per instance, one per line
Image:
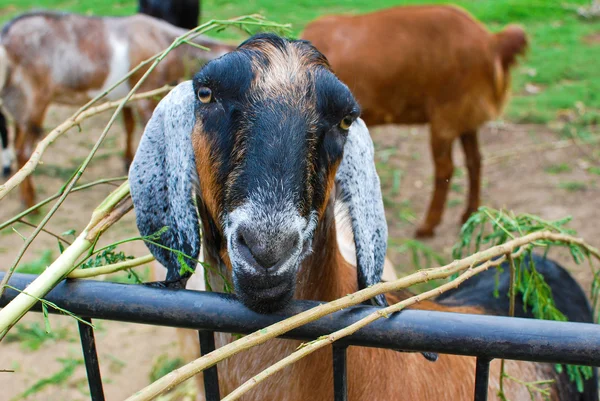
(485, 337)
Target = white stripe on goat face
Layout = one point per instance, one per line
(119, 67)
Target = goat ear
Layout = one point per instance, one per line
(162, 178)
(358, 184)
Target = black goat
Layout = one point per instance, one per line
(181, 13)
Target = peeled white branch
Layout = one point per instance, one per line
(112, 268)
(111, 210)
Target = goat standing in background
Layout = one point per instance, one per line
(425, 64)
(260, 147)
(49, 57)
(181, 13)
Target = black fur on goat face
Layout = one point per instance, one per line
(263, 138)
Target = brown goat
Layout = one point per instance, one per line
(425, 64)
(48, 57)
(260, 148)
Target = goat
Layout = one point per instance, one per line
(48, 57)
(425, 64)
(259, 148)
(181, 13)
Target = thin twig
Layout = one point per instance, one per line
(107, 181)
(112, 268)
(41, 147)
(260, 337)
(58, 237)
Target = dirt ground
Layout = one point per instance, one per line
(514, 177)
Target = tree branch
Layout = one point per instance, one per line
(58, 237)
(108, 181)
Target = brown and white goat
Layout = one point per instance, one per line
(425, 64)
(49, 57)
(259, 148)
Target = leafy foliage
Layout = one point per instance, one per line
(107, 257)
(422, 255)
(494, 227)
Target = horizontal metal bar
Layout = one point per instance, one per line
(412, 330)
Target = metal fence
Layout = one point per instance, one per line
(484, 337)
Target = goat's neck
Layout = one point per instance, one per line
(325, 275)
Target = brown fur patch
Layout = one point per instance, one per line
(286, 75)
(207, 165)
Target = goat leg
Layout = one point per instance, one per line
(441, 148)
(129, 123)
(470, 147)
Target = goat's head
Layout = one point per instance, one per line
(263, 139)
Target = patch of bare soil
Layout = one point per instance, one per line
(515, 176)
(592, 39)
(127, 351)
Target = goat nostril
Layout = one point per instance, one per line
(266, 252)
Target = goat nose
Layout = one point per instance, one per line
(267, 250)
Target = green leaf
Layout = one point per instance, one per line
(185, 268)
(70, 232)
(46, 318)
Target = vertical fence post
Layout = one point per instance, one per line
(211, 375)
(340, 380)
(88, 344)
(482, 373)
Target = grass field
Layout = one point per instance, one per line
(559, 79)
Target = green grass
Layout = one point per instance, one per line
(38, 265)
(559, 61)
(32, 336)
(573, 186)
(558, 168)
(56, 379)
(163, 365)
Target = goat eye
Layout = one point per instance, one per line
(204, 95)
(346, 123)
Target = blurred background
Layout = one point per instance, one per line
(542, 157)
